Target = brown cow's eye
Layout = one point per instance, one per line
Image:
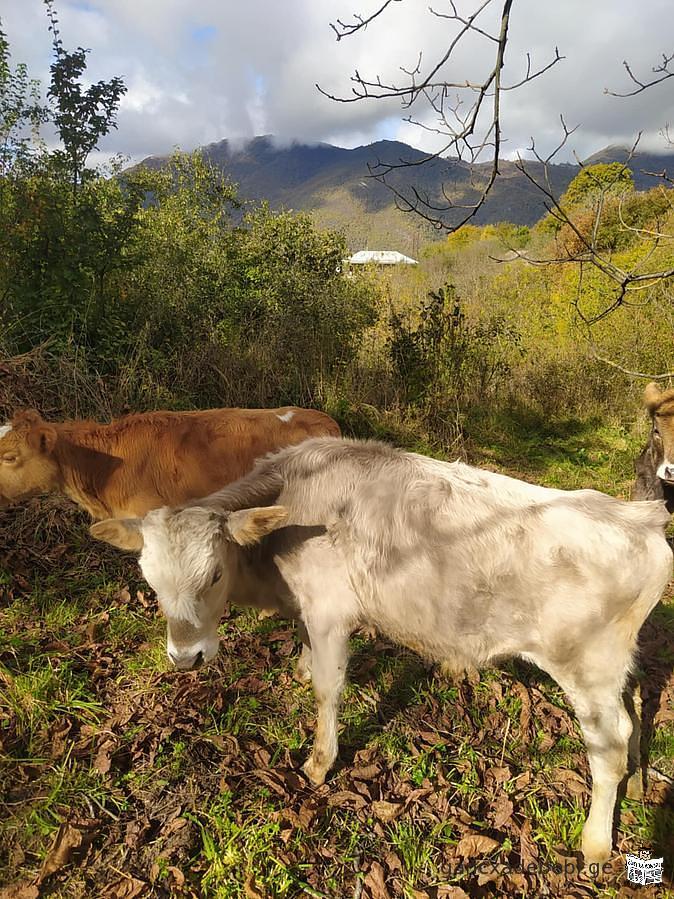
(8, 458)
(216, 576)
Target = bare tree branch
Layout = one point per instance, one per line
(663, 71)
(467, 113)
(648, 376)
(342, 29)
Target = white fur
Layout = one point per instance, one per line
(663, 473)
(286, 416)
(207, 646)
(5, 429)
(178, 578)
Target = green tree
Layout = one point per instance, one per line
(603, 179)
(82, 117)
(21, 112)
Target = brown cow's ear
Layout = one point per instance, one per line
(652, 396)
(26, 418)
(124, 533)
(249, 526)
(42, 438)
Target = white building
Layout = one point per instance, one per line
(381, 257)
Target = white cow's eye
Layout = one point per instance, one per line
(217, 574)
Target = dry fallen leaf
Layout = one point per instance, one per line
(450, 892)
(374, 881)
(103, 760)
(393, 862)
(386, 811)
(573, 782)
(347, 797)
(525, 711)
(502, 811)
(528, 848)
(493, 875)
(476, 844)
(499, 774)
(59, 733)
(251, 888)
(19, 891)
(366, 772)
(126, 888)
(177, 874)
(71, 837)
(307, 813)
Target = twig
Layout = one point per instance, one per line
(663, 70)
(466, 138)
(658, 775)
(358, 888)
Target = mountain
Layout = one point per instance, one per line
(643, 166)
(334, 184)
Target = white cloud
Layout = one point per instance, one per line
(201, 71)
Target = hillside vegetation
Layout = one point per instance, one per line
(335, 185)
(155, 288)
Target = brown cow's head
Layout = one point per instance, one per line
(27, 463)
(660, 404)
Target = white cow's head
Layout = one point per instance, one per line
(191, 559)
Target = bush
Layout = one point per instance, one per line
(148, 279)
(447, 363)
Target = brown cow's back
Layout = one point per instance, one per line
(144, 461)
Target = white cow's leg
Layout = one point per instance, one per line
(635, 783)
(303, 666)
(606, 728)
(330, 651)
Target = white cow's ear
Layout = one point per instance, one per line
(124, 533)
(248, 526)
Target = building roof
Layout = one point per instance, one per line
(381, 257)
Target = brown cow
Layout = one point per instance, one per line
(655, 465)
(141, 462)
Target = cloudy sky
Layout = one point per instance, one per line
(203, 70)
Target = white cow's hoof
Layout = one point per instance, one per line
(594, 855)
(315, 773)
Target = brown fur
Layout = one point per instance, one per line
(660, 447)
(144, 461)
(654, 398)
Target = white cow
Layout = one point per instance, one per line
(461, 565)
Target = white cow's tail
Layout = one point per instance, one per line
(650, 513)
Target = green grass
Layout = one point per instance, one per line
(571, 454)
(661, 752)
